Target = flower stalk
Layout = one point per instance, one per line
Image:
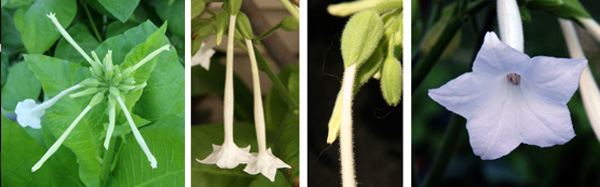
(510, 25)
(346, 141)
(588, 88)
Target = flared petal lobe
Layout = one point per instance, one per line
(27, 116)
(502, 113)
(265, 163)
(228, 156)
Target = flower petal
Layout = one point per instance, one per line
(265, 163)
(26, 116)
(497, 59)
(228, 156)
(206, 52)
(555, 79)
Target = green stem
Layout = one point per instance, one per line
(16, 51)
(424, 65)
(107, 162)
(87, 11)
(264, 35)
(444, 154)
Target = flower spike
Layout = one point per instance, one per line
(97, 99)
(136, 133)
(29, 113)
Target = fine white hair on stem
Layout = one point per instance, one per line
(510, 25)
(137, 135)
(346, 142)
(588, 88)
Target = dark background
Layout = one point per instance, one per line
(377, 126)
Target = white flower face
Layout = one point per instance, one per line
(27, 116)
(510, 99)
(206, 52)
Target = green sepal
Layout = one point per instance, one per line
(222, 22)
(243, 25)
(234, 6)
(360, 37)
(197, 7)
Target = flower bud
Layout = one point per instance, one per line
(97, 99)
(360, 37)
(243, 25)
(86, 92)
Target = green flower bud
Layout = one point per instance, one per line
(234, 6)
(97, 99)
(289, 23)
(129, 81)
(243, 25)
(114, 92)
(197, 8)
(90, 82)
(108, 65)
(360, 37)
(222, 22)
(86, 92)
(391, 81)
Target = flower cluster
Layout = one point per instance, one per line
(229, 155)
(108, 82)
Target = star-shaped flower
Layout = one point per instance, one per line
(228, 155)
(29, 113)
(266, 163)
(510, 99)
(203, 55)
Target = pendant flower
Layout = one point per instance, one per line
(29, 113)
(264, 161)
(229, 155)
(108, 82)
(206, 51)
(510, 99)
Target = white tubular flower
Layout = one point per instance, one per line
(229, 155)
(206, 52)
(592, 26)
(95, 100)
(510, 99)
(510, 25)
(29, 113)
(590, 94)
(68, 37)
(136, 134)
(264, 162)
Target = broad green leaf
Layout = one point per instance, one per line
(57, 75)
(203, 136)
(122, 10)
(174, 14)
(12, 4)
(165, 139)
(11, 38)
(20, 152)
(83, 37)
(213, 82)
(37, 30)
(360, 37)
(117, 28)
(21, 84)
(4, 68)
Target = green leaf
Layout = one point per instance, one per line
(165, 139)
(20, 152)
(360, 37)
(174, 14)
(12, 4)
(203, 136)
(122, 10)
(369, 68)
(11, 38)
(55, 76)
(21, 84)
(37, 30)
(83, 37)
(276, 109)
(4, 68)
(117, 28)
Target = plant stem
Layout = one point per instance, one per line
(291, 8)
(87, 11)
(107, 162)
(444, 154)
(346, 142)
(271, 30)
(16, 51)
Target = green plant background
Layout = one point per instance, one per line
(36, 56)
